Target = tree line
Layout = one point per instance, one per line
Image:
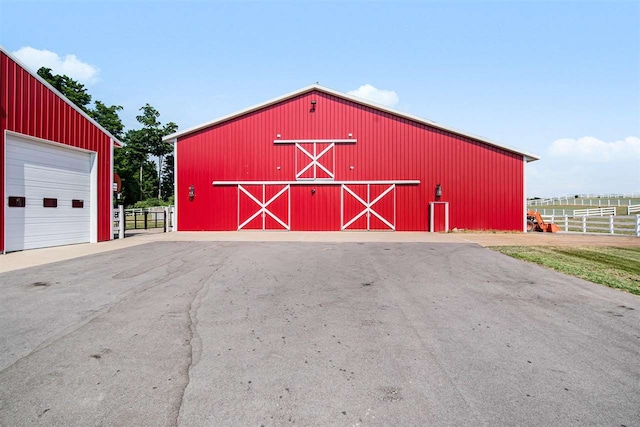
(145, 182)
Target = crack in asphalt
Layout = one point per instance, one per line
(195, 341)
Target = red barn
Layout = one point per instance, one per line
(57, 165)
(321, 160)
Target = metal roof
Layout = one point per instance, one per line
(529, 157)
(117, 142)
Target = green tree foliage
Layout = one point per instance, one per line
(149, 139)
(108, 118)
(73, 90)
(141, 178)
(168, 176)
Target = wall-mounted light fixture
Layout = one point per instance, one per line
(350, 135)
(192, 192)
(438, 191)
(313, 191)
(313, 106)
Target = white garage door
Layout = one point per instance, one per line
(47, 195)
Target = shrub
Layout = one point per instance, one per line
(150, 203)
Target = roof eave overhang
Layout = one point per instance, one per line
(173, 138)
(117, 142)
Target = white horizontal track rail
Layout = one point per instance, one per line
(319, 141)
(398, 182)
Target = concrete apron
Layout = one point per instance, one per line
(30, 258)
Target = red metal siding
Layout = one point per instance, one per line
(483, 184)
(30, 108)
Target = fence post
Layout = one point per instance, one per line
(552, 218)
(566, 223)
(166, 216)
(584, 223)
(145, 219)
(123, 221)
(637, 225)
(611, 224)
(174, 225)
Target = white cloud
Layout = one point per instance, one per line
(592, 149)
(384, 97)
(586, 165)
(68, 65)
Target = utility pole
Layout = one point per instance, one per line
(141, 195)
(159, 177)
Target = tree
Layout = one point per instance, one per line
(108, 118)
(150, 137)
(168, 176)
(138, 173)
(73, 90)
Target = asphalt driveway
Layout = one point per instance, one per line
(273, 333)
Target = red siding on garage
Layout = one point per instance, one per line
(482, 183)
(30, 108)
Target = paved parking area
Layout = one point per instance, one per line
(25, 259)
(313, 333)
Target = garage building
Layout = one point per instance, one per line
(320, 160)
(57, 165)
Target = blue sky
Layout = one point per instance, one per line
(559, 79)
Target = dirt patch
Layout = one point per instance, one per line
(549, 239)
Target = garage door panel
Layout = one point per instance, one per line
(39, 155)
(37, 170)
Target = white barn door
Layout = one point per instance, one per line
(47, 194)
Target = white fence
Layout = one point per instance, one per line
(594, 212)
(136, 219)
(633, 209)
(626, 225)
(572, 201)
(578, 212)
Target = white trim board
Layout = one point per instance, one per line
(397, 182)
(318, 141)
(446, 215)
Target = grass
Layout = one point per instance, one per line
(620, 210)
(615, 267)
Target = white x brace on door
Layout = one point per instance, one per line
(325, 170)
(264, 205)
(368, 207)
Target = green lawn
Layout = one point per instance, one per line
(614, 267)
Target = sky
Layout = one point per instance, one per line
(557, 79)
